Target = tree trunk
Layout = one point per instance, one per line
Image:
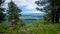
(57, 19)
(52, 17)
(57, 15)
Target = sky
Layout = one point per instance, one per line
(27, 6)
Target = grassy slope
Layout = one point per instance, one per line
(37, 27)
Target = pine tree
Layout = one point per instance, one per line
(2, 15)
(13, 12)
(52, 9)
(46, 9)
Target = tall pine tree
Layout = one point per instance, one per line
(13, 12)
(52, 8)
(2, 15)
(46, 9)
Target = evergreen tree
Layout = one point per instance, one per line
(13, 12)
(2, 15)
(51, 7)
(46, 9)
(57, 6)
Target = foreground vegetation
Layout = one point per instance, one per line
(38, 27)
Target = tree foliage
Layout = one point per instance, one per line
(13, 11)
(52, 7)
(2, 15)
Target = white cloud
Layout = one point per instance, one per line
(29, 5)
(7, 1)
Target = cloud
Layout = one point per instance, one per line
(27, 6)
(30, 4)
(7, 1)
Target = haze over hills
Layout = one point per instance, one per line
(32, 16)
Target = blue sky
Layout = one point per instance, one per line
(27, 6)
